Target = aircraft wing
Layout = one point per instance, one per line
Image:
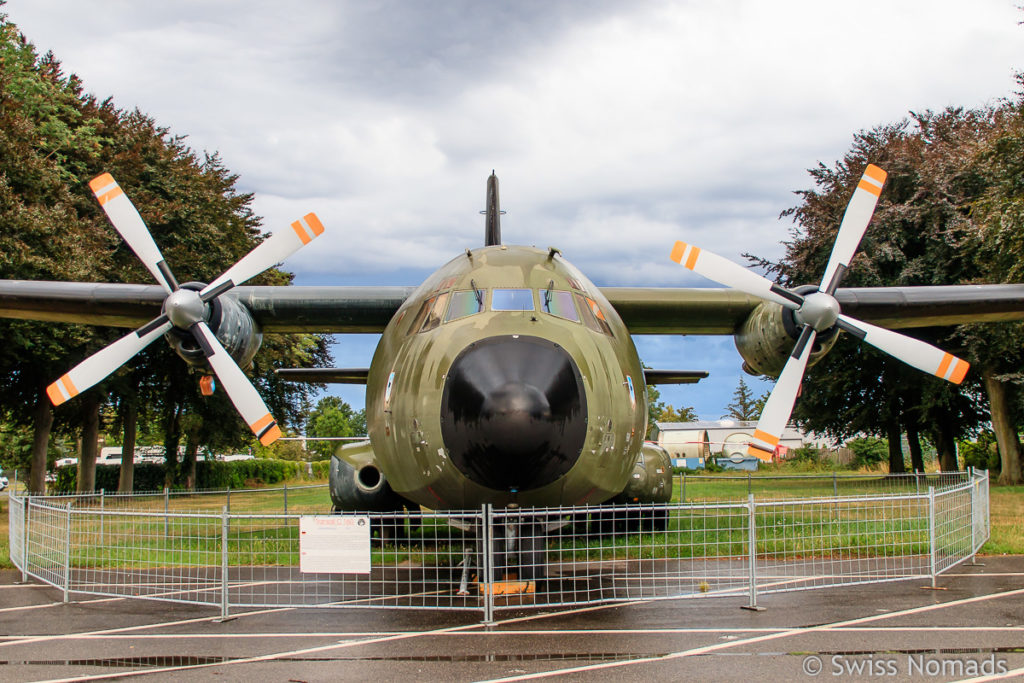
(660, 310)
(276, 309)
(645, 310)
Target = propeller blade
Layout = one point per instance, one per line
(851, 230)
(101, 364)
(274, 249)
(725, 272)
(779, 406)
(913, 352)
(127, 221)
(237, 386)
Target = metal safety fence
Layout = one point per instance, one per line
(192, 548)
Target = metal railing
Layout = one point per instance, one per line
(192, 548)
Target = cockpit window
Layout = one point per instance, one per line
(435, 312)
(593, 317)
(512, 300)
(559, 304)
(465, 302)
(421, 315)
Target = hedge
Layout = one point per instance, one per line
(236, 474)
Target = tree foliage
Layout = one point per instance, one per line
(333, 417)
(53, 139)
(941, 217)
(744, 406)
(659, 411)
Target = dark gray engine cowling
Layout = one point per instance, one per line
(237, 332)
(767, 336)
(357, 483)
(651, 478)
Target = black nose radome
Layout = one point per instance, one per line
(514, 412)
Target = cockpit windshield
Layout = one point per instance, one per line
(512, 300)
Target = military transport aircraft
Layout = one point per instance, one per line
(507, 377)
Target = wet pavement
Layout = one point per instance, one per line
(972, 626)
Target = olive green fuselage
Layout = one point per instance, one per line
(410, 409)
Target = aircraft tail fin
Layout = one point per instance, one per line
(492, 227)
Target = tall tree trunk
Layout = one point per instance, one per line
(892, 431)
(90, 443)
(172, 437)
(945, 444)
(914, 441)
(192, 449)
(42, 420)
(129, 422)
(1002, 425)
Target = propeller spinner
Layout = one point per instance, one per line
(184, 309)
(819, 312)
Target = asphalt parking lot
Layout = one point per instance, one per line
(972, 627)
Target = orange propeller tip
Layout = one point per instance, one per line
(272, 435)
(314, 223)
(875, 172)
(53, 391)
(100, 181)
(960, 372)
(677, 251)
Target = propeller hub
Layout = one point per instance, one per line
(184, 308)
(819, 310)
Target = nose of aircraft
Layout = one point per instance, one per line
(513, 415)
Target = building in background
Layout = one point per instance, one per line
(691, 443)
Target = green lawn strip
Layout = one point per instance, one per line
(791, 531)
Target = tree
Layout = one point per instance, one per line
(333, 417)
(744, 406)
(658, 411)
(44, 137)
(53, 139)
(922, 233)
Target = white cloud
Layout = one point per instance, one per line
(615, 128)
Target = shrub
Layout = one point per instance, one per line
(868, 451)
(212, 474)
(981, 454)
(321, 469)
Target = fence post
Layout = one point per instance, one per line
(752, 552)
(224, 563)
(166, 509)
(67, 552)
(286, 498)
(24, 541)
(684, 488)
(974, 503)
(102, 497)
(835, 497)
(227, 505)
(931, 530)
(487, 558)
(748, 483)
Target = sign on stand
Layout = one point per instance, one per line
(334, 544)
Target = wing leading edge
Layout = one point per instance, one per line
(645, 310)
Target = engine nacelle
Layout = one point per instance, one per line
(357, 484)
(651, 478)
(766, 338)
(234, 327)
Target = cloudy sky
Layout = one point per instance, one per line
(615, 128)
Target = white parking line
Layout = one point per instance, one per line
(757, 639)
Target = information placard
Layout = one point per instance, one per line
(334, 544)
